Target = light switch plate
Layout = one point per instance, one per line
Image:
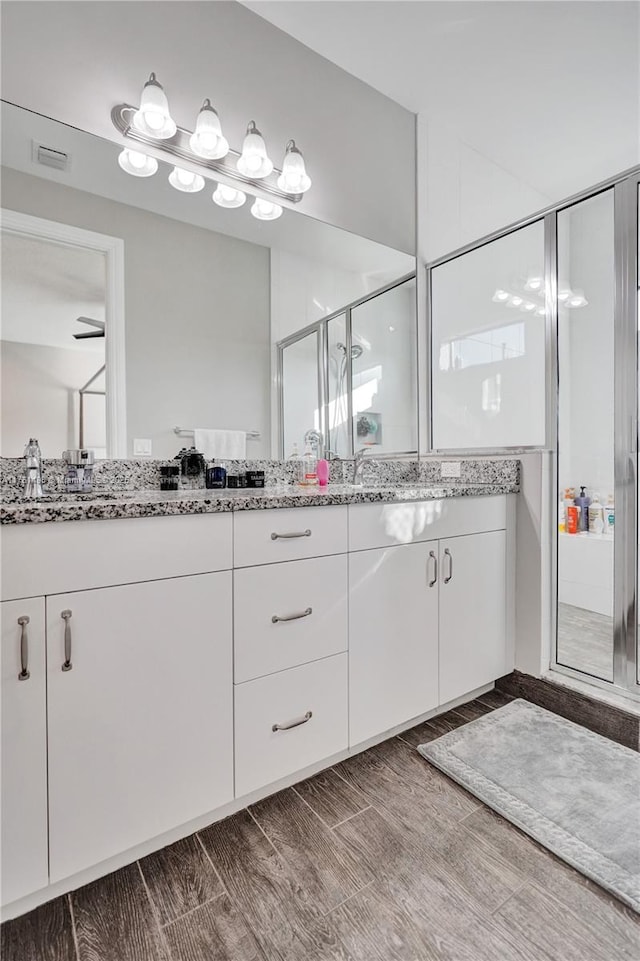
(142, 447)
(450, 468)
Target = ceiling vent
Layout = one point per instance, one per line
(49, 157)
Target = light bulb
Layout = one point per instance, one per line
(265, 209)
(564, 295)
(225, 196)
(577, 300)
(528, 306)
(186, 181)
(153, 117)
(533, 283)
(254, 162)
(541, 311)
(500, 296)
(293, 179)
(137, 164)
(207, 141)
(516, 301)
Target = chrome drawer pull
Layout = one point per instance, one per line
(66, 617)
(284, 537)
(297, 721)
(291, 617)
(447, 553)
(24, 674)
(434, 579)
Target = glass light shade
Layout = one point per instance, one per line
(186, 181)
(265, 209)
(137, 164)
(577, 300)
(528, 306)
(515, 301)
(533, 283)
(564, 295)
(254, 162)
(294, 178)
(225, 196)
(207, 141)
(500, 296)
(153, 117)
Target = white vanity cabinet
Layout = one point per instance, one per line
(24, 749)
(473, 612)
(393, 634)
(140, 713)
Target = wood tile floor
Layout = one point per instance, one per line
(381, 858)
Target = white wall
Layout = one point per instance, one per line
(73, 61)
(197, 316)
(40, 398)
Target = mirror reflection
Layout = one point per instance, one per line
(132, 310)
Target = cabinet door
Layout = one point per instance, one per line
(472, 612)
(140, 726)
(24, 749)
(393, 637)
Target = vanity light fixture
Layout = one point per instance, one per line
(137, 164)
(207, 141)
(265, 209)
(152, 117)
(254, 162)
(184, 180)
(151, 135)
(225, 196)
(294, 178)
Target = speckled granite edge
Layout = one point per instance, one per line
(130, 475)
(163, 503)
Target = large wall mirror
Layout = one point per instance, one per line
(130, 309)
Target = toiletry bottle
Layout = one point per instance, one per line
(596, 517)
(561, 517)
(582, 501)
(309, 467)
(609, 515)
(323, 472)
(572, 519)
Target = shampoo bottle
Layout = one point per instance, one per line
(596, 517)
(582, 501)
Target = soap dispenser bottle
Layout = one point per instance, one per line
(309, 467)
(582, 501)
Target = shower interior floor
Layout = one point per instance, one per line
(585, 641)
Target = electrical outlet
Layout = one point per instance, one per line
(142, 447)
(450, 468)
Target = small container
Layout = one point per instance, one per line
(255, 478)
(236, 481)
(216, 477)
(609, 516)
(169, 476)
(79, 475)
(572, 519)
(323, 472)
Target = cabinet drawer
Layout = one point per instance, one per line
(266, 537)
(382, 525)
(264, 755)
(67, 556)
(309, 600)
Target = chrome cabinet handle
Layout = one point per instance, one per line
(447, 553)
(296, 722)
(66, 617)
(24, 674)
(434, 579)
(291, 617)
(284, 537)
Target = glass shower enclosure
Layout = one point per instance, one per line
(534, 346)
(352, 376)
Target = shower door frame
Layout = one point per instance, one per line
(321, 327)
(626, 187)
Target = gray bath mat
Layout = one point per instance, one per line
(575, 792)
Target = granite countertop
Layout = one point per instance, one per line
(157, 503)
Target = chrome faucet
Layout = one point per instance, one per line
(316, 441)
(359, 458)
(33, 469)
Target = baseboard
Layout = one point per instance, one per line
(591, 712)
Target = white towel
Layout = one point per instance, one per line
(221, 444)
